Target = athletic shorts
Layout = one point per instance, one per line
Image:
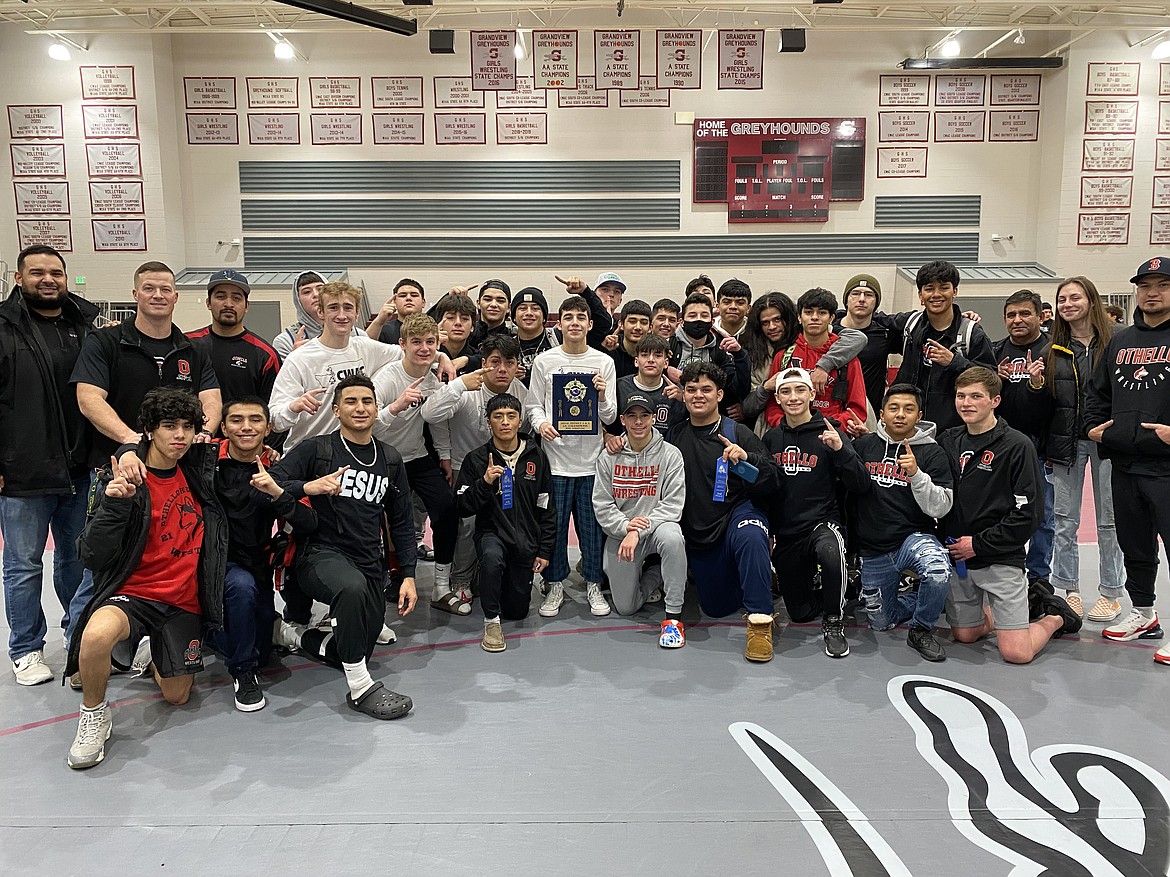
(1005, 589)
(176, 636)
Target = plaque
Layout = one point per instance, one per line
(575, 402)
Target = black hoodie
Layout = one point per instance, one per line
(704, 520)
(1129, 386)
(529, 528)
(809, 471)
(999, 500)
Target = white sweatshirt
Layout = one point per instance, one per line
(571, 456)
(313, 366)
(465, 412)
(404, 432)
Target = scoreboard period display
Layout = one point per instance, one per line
(779, 170)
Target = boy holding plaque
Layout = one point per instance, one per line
(571, 395)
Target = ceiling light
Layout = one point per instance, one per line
(59, 52)
(1019, 40)
(518, 48)
(950, 49)
(1162, 50)
(284, 51)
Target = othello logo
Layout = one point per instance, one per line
(1132, 367)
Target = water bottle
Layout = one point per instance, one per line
(960, 565)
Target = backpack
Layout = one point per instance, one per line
(962, 342)
(840, 385)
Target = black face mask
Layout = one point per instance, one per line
(697, 329)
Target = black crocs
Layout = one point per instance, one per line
(380, 703)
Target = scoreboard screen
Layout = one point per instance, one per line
(779, 170)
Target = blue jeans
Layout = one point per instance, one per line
(923, 554)
(1070, 485)
(25, 522)
(1039, 560)
(246, 638)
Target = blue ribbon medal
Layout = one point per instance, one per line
(506, 488)
(720, 493)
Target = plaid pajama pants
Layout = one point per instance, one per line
(575, 496)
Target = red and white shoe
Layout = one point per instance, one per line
(1134, 626)
(672, 635)
(1162, 656)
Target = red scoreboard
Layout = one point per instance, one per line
(779, 170)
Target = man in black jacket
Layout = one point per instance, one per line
(1127, 412)
(507, 485)
(813, 460)
(157, 553)
(997, 507)
(725, 531)
(939, 343)
(353, 480)
(1028, 407)
(44, 448)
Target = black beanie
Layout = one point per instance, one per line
(528, 295)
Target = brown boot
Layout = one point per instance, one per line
(759, 637)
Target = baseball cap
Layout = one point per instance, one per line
(1156, 265)
(794, 376)
(230, 276)
(863, 281)
(609, 277)
(638, 400)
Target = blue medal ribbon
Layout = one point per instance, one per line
(720, 494)
(506, 488)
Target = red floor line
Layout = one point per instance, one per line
(208, 686)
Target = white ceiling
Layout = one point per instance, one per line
(1138, 19)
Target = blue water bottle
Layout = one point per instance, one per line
(960, 565)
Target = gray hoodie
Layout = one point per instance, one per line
(627, 484)
(934, 500)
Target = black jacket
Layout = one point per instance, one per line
(114, 538)
(1130, 386)
(34, 457)
(529, 528)
(937, 382)
(704, 520)
(1028, 410)
(1067, 387)
(809, 472)
(737, 368)
(999, 498)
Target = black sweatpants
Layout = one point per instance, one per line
(426, 479)
(1141, 511)
(795, 560)
(505, 580)
(357, 604)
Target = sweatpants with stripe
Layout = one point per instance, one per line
(796, 559)
(733, 575)
(574, 495)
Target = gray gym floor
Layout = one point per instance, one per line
(586, 749)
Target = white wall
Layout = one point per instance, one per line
(1030, 191)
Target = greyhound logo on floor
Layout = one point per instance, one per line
(1063, 809)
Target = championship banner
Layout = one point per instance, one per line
(615, 58)
(554, 58)
(741, 59)
(680, 59)
(493, 60)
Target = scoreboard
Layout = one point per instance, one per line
(779, 170)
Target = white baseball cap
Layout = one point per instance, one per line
(794, 375)
(609, 277)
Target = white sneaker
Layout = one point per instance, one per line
(287, 635)
(597, 603)
(553, 600)
(1134, 626)
(89, 746)
(141, 658)
(1162, 656)
(32, 669)
(387, 636)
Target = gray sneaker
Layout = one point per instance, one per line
(89, 746)
(924, 642)
(31, 669)
(551, 606)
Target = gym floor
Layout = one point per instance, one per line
(584, 749)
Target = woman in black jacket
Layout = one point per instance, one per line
(1080, 332)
